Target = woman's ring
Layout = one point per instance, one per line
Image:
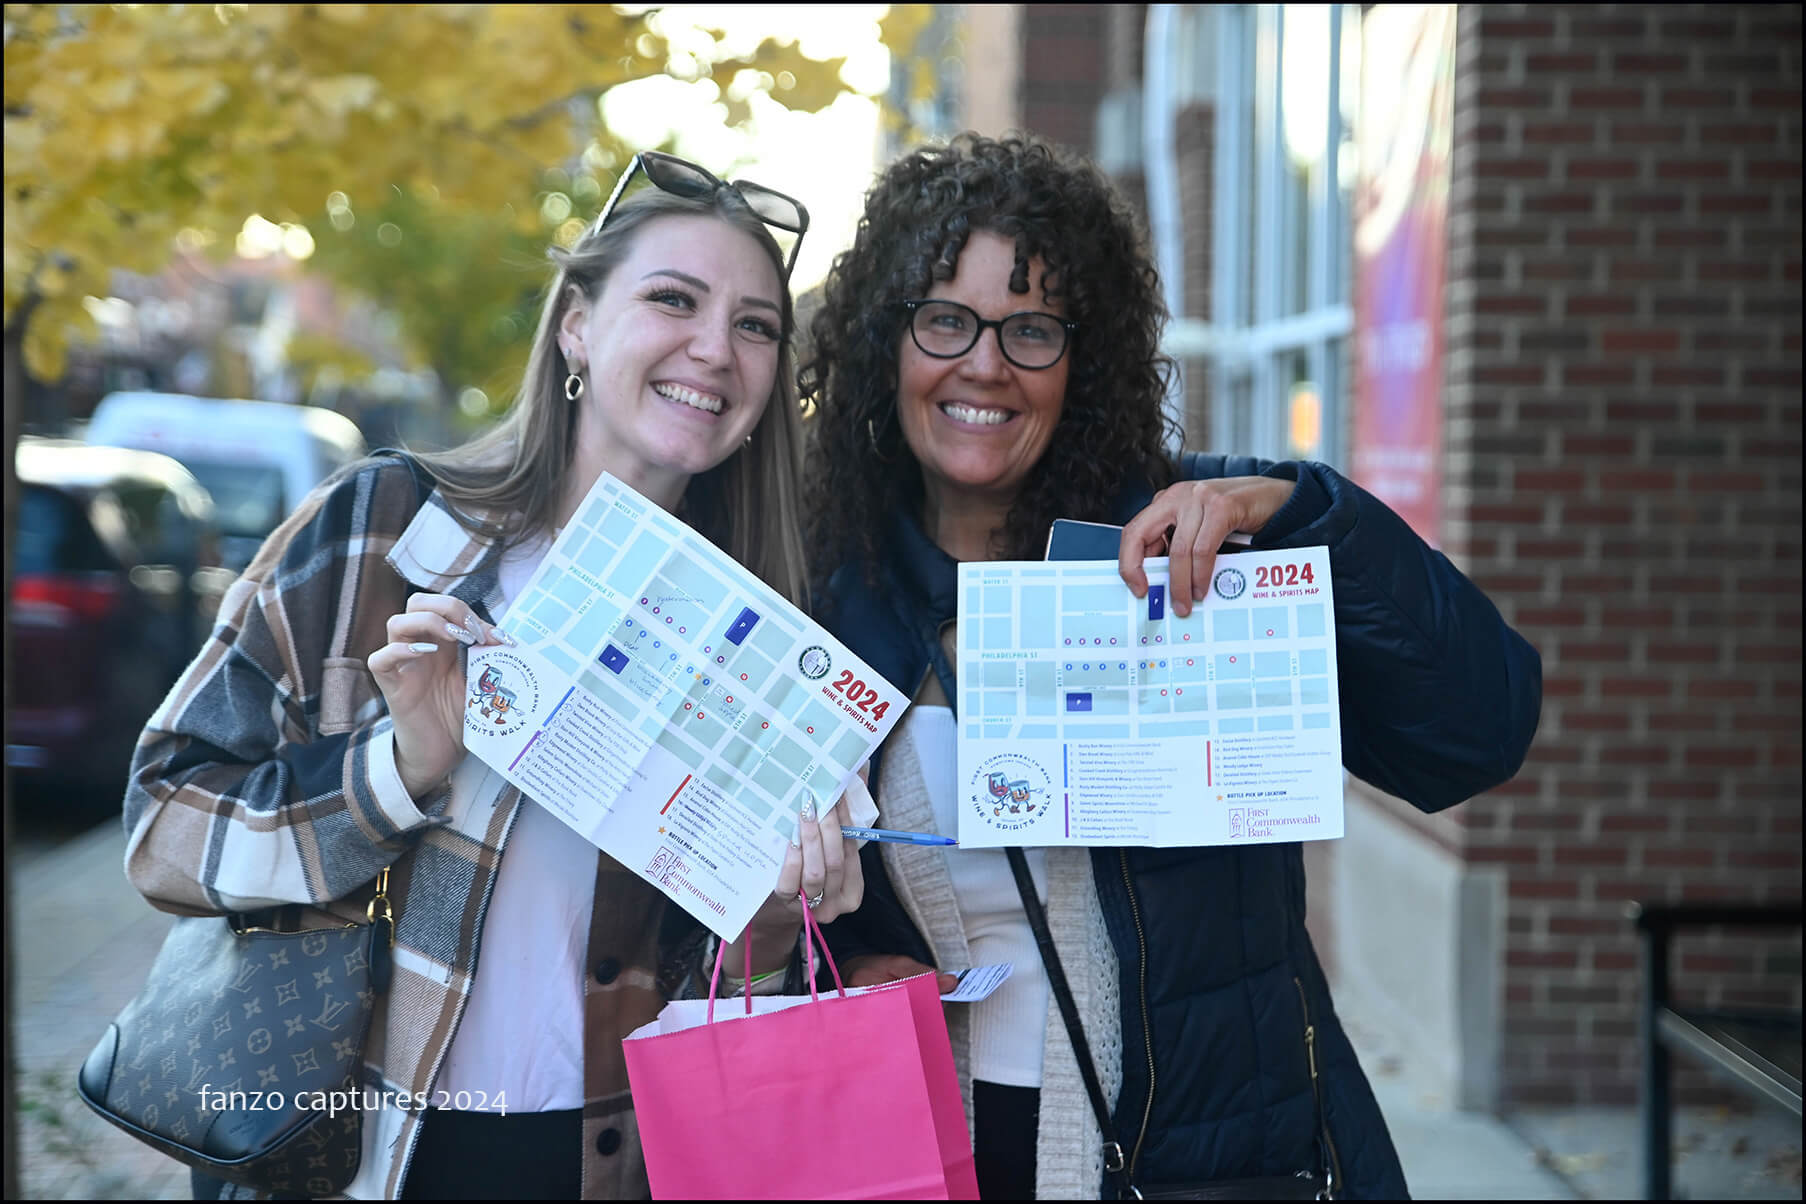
(816, 898)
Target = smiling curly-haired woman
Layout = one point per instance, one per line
(986, 359)
(918, 219)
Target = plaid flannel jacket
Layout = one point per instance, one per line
(268, 777)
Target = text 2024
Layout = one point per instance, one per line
(1273, 576)
(860, 695)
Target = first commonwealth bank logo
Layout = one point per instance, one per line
(1009, 792)
(503, 695)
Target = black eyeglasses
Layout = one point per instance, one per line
(683, 178)
(947, 330)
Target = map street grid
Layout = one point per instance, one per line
(670, 706)
(1089, 717)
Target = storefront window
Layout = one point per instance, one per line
(1285, 87)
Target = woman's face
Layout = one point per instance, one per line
(978, 424)
(680, 351)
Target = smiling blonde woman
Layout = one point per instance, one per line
(317, 739)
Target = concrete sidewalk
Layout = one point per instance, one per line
(1589, 1153)
(83, 942)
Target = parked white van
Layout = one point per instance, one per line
(257, 458)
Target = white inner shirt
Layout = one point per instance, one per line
(519, 1046)
(1008, 1028)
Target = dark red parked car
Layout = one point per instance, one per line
(115, 582)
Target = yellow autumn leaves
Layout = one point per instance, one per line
(126, 124)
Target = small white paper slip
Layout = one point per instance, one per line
(978, 983)
(862, 809)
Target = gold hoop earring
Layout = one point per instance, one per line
(573, 385)
(871, 435)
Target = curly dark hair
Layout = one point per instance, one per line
(917, 219)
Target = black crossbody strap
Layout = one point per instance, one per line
(1114, 1162)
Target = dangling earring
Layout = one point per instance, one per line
(573, 383)
(871, 435)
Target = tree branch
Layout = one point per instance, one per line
(533, 118)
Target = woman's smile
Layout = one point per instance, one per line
(694, 398)
(978, 416)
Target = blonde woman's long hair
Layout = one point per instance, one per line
(506, 483)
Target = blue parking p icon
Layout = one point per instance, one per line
(742, 626)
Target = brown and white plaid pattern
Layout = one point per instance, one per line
(268, 777)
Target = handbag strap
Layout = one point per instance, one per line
(1114, 1163)
(381, 913)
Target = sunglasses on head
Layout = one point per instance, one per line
(680, 177)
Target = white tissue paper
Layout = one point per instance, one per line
(862, 811)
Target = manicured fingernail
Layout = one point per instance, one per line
(808, 811)
(504, 637)
(458, 633)
(423, 647)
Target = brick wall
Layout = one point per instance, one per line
(1624, 419)
(1622, 468)
(1063, 72)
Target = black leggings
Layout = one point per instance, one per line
(488, 1156)
(1005, 1121)
(481, 1156)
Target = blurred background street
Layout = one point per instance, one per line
(1530, 273)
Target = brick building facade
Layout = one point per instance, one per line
(1622, 475)
(1624, 409)
(1063, 65)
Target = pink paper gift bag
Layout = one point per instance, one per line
(851, 1096)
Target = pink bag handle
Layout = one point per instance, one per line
(812, 934)
(810, 922)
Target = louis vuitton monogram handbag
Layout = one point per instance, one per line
(243, 1055)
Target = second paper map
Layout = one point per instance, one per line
(1091, 717)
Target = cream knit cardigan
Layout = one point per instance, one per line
(1069, 1159)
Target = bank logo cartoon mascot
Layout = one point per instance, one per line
(491, 698)
(1011, 795)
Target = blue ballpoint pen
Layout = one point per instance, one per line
(856, 833)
